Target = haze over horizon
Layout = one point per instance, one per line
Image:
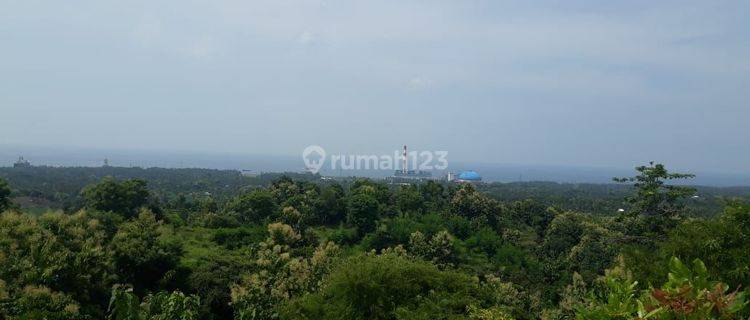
(574, 83)
(490, 172)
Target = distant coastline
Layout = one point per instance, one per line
(80, 157)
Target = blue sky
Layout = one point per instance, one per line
(585, 83)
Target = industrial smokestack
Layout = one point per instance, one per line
(406, 162)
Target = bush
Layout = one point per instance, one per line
(233, 238)
(388, 286)
(688, 294)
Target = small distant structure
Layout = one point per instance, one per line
(412, 174)
(469, 176)
(22, 163)
(450, 176)
(248, 173)
(405, 173)
(310, 170)
(106, 163)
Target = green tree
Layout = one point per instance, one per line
(659, 202)
(4, 195)
(285, 188)
(388, 286)
(330, 208)
(139, 254)
(210, 278)
(122, 197)
(472, 204)
(564, 232)
(280, 275)
(254, 206)
(41, 303)
(721, 243)
(433, 194)
(125, 305)
(531, 213)
(56, 257)
(576, 243)
(362, 212)
(688, 294)
(409, 199)
(171, 306)
(84, 271)
(440, 249)
(615, 297)
(378, 190)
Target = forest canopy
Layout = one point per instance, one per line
(208, 244)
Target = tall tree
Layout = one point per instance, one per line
(656, 206)
(653, 197)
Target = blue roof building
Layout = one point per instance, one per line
(469, 176)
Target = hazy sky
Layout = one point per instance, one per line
(534, 82)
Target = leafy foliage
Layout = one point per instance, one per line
(653, 197)
(280, 276)
(125, 305)
(140, 257)
(254, 206)
(4, 195)
(362, 212)
(123, 197)
(659, 202)
(208, 244)
(386, 287)
(688, 294)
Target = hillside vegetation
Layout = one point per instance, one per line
(131, 243)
